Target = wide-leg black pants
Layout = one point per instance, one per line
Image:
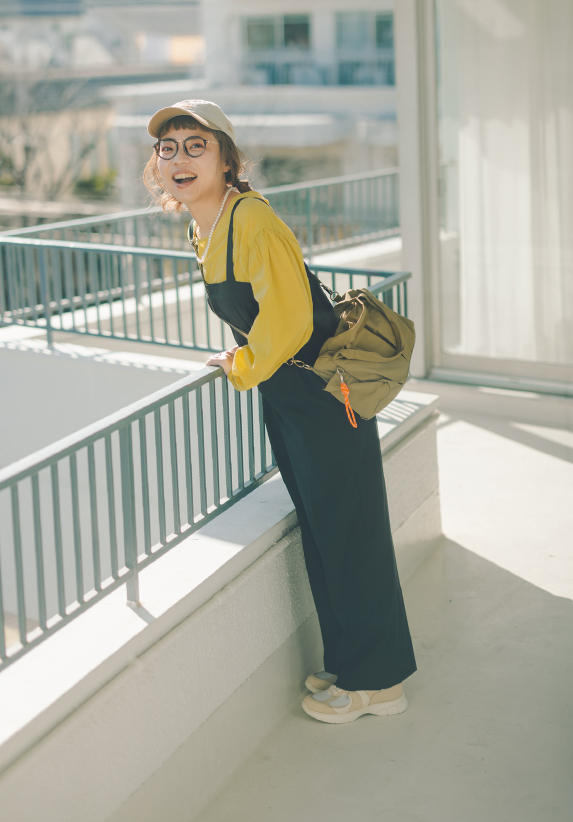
(334, 475)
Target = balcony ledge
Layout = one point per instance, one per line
(119, 695)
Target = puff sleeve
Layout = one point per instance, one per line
(284, 322)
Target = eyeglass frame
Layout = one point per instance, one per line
(157, 146)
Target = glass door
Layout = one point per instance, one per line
(505, 101)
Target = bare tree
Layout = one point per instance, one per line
(43, 140)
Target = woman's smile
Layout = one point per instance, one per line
(183, 179)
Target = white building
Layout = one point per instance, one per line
(311, 91)
(325, 43)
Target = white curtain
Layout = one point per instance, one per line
(506, 139)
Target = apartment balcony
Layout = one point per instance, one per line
(366, 68)
(184, 704)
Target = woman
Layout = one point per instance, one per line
(256, 282)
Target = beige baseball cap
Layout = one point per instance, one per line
(209, 114)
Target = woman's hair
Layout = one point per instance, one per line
(230, 155)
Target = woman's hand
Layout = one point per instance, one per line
(223, 360)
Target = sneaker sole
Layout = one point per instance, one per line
(396, 706)
(314, 690)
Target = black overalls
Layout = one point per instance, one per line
(333, 473)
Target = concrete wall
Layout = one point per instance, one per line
(127, 714)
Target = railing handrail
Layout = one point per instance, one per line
(151, 210)
(17, 471)
(328, 181)
(79, 221)
(144, 251)
(374, 272)
(139, 251)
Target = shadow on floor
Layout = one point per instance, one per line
(512, 431)
(488, 735)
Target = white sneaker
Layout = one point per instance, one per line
(336, 705)
(316, 683)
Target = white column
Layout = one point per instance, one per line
(222, 51)
(324, 38)
(418, 156)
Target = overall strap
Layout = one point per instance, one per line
(230, 266)
(230, 274)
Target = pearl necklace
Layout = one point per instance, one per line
(202, 259)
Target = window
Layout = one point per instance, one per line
(357, 31)
(384, 31)
(261, 34)
(277, 33)
(277, 51)
(297, 31)
(365, 48)
(353, 30)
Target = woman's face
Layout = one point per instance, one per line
(192, 179)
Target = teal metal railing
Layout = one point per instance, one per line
(123, 292)
(82, 517)
(323, 214)
(339, 211)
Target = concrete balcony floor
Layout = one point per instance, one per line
(488, 734)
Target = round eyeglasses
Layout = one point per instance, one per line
(193, 147)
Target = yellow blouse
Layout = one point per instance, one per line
(267, 255)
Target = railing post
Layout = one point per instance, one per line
(128, 512)
(44, 295)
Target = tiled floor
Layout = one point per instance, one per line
(488, 735)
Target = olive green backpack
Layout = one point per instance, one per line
(365, 364)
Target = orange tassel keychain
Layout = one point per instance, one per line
(346, 394)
